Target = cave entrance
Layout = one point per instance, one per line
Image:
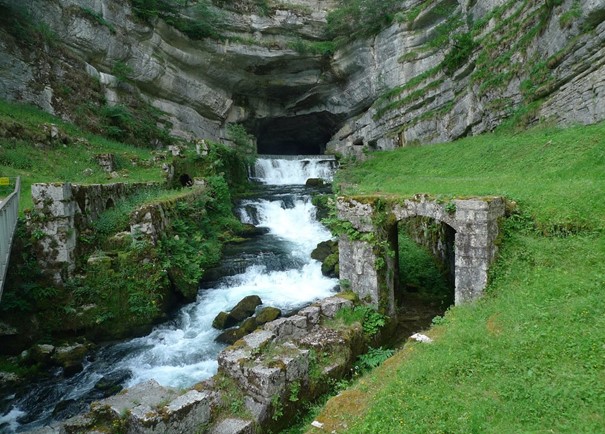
(295, 135)
(425, 268)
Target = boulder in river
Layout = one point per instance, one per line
(223, 321)
(246, 307)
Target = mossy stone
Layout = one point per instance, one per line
(267, 314)
(223, 321)
(245, 308)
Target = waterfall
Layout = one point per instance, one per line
(289, 170)
(182, 352)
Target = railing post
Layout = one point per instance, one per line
(9, 212)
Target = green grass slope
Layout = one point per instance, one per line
(529, 357)
(28, 150)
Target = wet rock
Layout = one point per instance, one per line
(267, 314)
(41, 353)
(315, 182)
(70, 357)
(323, 250)
(233, 335)
(250, 231)
(223, 321)
(111, 383)
(246, 307)
(66, 409)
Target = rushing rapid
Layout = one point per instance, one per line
(276, 266)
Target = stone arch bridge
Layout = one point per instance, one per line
(368, 250)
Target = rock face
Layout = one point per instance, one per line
(401, 87)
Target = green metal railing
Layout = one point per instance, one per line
(9, 212)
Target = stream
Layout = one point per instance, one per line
(275, 266)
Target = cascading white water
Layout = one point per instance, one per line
(284, 170)
(183, 351)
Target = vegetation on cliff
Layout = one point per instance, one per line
(529, 355)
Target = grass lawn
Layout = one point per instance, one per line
(26, 151)
(530, 355)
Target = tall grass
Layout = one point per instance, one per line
(528, 356)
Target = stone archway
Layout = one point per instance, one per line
(370, 270)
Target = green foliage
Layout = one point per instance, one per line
(19, 22)
(97, 17)
(277, 406)
(356, 19)
(121, 70)
(568, 17)
(322, 48)
(294, 391)
(418, 269)
(371, 321)
(244, 142)
(372, 359)
(205, 24)
(462, 48)
(140, 124)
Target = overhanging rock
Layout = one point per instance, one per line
(365, 261)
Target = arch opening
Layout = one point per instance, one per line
(109, 204)
(425, 265)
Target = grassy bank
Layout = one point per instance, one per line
(529, 356)
(27, 149)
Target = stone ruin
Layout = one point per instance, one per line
(475, 221)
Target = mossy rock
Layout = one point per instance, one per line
(328, 267)
(231, 336)
(323, 250)
(245, 308)
(267, 314)
(119, 241)
(315, 182)
(223, 321)
(249, 325)
(250, 231)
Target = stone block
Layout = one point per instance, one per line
(312, 313)
(329, 306)
(258, 339)
(264, 382)
(233, 426)
(288, 328)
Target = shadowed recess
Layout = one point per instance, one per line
(296, 135)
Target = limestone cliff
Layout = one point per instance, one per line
(442, 70)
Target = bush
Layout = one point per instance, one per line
(462, 48)
(355, 19)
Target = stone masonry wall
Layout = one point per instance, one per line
(474, 220)
(61, 211)
(269, 373)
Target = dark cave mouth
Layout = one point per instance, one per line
(296, 135)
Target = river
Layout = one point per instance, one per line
(181, 352)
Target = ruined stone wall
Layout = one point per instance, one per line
(260, 385)
(476, 222)
(61, 212)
